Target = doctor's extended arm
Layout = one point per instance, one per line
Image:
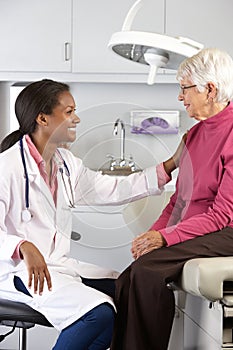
(173, 162)
(93, 188)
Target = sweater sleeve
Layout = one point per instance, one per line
(218, 215)
(171, 214)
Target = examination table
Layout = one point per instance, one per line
(204, 297)
(204, 305)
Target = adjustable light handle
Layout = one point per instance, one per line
(190, 42)
(155, 61)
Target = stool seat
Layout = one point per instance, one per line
(19, 315)
(14, 311)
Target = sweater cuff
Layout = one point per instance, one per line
(163, 177)
(170, 235)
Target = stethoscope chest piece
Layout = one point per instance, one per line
(26, 215)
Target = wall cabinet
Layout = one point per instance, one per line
(71, 36)
(35, 35)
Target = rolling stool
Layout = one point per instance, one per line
(22, 316)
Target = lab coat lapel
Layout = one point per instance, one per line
(46, 195)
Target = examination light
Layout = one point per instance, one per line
(153, 49)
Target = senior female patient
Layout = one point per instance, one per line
(40, 183)
(197, 222)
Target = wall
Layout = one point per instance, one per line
(99, 105)
(5, 108)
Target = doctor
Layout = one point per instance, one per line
(40, 183)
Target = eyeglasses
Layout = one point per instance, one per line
(183, 88)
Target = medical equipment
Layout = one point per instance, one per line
(26, 214)
(153, 49)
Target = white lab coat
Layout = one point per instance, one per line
(69, 298)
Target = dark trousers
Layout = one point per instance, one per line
(145, 306)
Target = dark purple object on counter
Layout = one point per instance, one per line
(154, 121)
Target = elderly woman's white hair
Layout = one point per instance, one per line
(210, 65)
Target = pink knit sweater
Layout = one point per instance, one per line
(203, 200)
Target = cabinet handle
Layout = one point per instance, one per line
(67, 51)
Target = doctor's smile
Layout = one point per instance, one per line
(61, 123)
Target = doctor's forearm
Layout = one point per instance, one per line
(173, 162)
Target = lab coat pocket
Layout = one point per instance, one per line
(9, 291)
(20, 286)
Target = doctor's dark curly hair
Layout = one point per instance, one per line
(38, 97)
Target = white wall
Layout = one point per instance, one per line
(99, 105)
(4, 108)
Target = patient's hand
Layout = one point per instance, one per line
(146, 242)
(37, 267)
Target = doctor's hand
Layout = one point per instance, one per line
(146, 242)
(37, 267)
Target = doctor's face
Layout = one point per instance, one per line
(62, 121)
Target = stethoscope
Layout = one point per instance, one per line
(67, 172)
(26, 214)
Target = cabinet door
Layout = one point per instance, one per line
(208, 22)
(35, 35)
(94, 24)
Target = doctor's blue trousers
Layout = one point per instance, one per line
(94, 330)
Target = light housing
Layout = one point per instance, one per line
(153, 49)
